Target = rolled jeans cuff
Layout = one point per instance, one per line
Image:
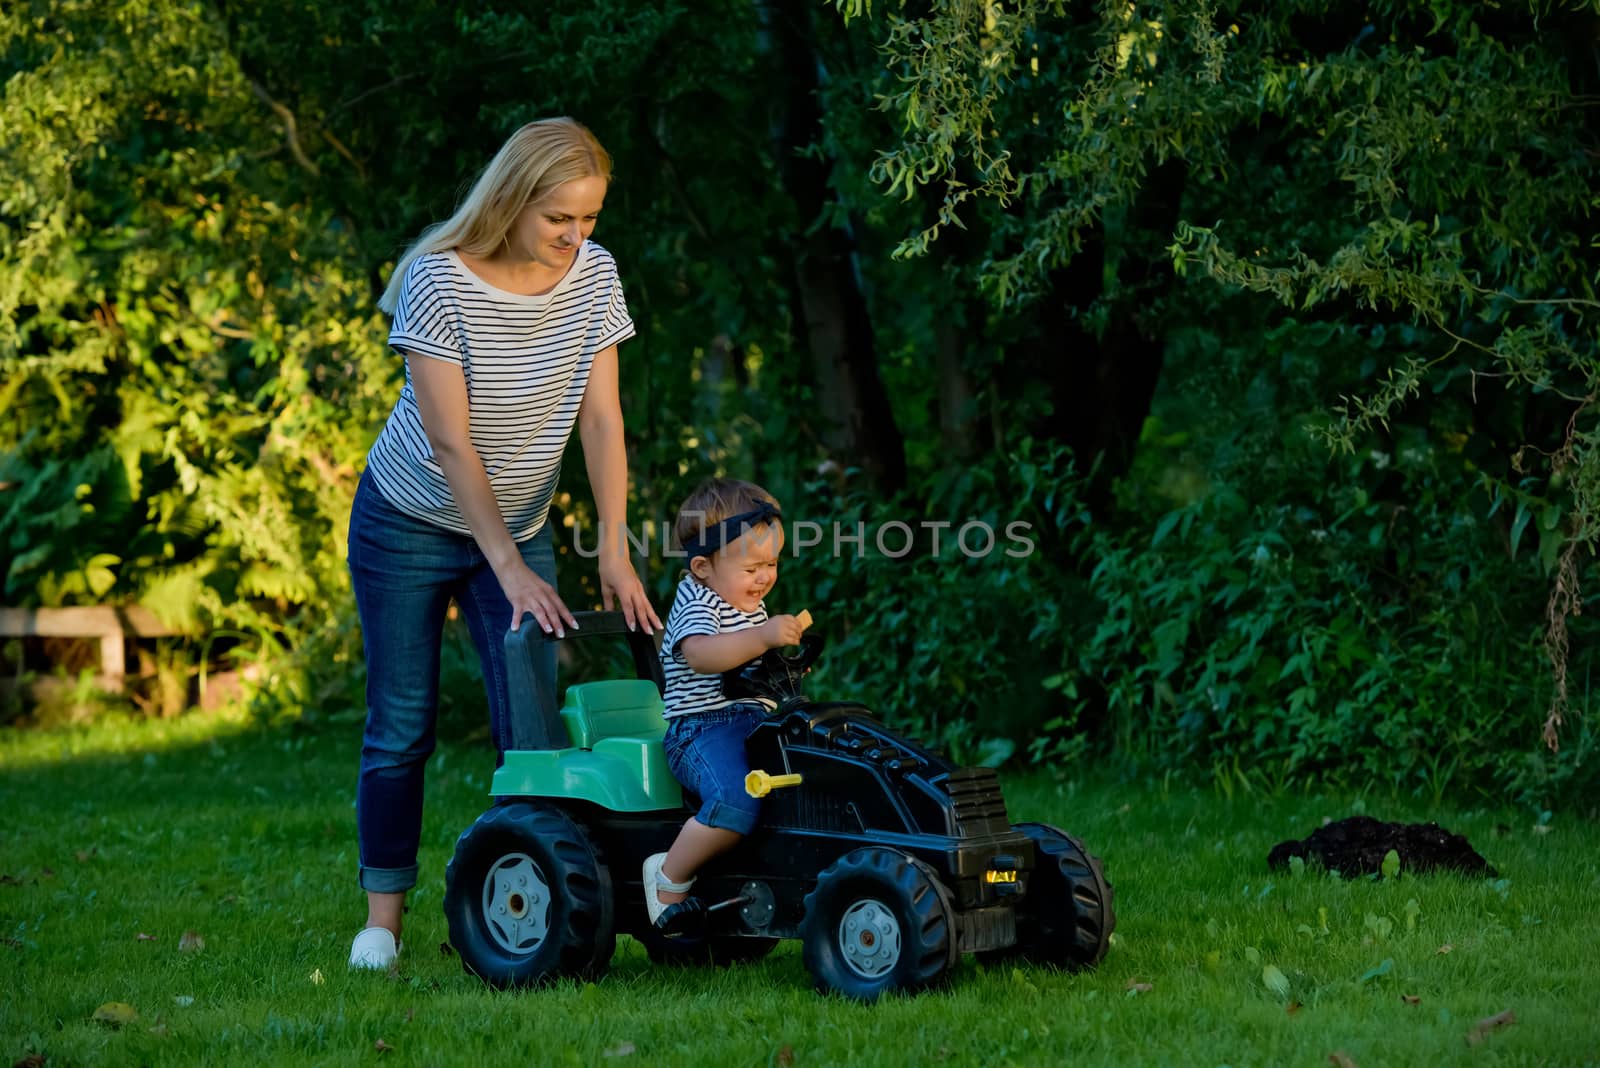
(722, 815)
(387, 880)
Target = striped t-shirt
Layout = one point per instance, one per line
(698, 609)
(526, 361)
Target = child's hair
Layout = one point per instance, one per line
(714, 500)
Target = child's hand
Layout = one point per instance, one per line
(783, 630)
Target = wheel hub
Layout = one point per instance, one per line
(869, 938)
(516, 903)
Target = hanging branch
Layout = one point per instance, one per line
(291, 129)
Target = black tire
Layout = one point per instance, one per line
(528, 898)
(715, 951)
(847, 944)
(1067, 917)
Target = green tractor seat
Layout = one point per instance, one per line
(603, 746)
(613, 710)
(616, 759)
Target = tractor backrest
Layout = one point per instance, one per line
(626, 707)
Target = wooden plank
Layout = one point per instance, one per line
(86, 621)
(113, 660)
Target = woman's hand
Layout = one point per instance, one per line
(529, 594)
(620, 585)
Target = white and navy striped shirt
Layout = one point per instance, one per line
(526, 361)
(698, 609)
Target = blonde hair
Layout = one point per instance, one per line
(714, 500)
(529, 166)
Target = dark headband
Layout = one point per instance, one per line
(713, 538)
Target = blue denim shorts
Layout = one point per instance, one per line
(705, 751)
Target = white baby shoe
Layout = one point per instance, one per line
(374, 949)
(654, 880)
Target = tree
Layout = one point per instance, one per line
(1425, 164)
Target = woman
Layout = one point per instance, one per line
(509, 320)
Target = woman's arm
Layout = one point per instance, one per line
(606, 457)
(441, 390)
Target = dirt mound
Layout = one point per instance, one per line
(1356, 846)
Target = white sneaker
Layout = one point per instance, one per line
(374, 949)
(654, 881)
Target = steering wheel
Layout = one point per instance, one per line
(775, 674)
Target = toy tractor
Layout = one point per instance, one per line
(886, 861)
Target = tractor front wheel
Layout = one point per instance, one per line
(1067, 918)
(878, 920)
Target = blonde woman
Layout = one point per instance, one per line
(509, 318)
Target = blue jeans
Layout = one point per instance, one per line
(406, 572)
(705, 751)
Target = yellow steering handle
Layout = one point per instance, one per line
(759, 784)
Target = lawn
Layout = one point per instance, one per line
(201, 873)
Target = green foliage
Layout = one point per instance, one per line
(1368, 618)
(200, 202)
(192, 226)
(190, 363)
(1414, 184)
(952, 640)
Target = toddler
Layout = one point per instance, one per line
(731, 533)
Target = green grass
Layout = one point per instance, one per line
(246, 837)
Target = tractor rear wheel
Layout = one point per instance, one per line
(528, 898)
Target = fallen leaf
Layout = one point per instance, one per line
(116, 1013)
(160, 1029)
(1340, 1059)
(1482, 1029)
(1139, 988)
(1275, 980)
(786, 1056)
(142, 937)
(621, 1049)
(86, 855)
(1292, 1008)
(381, 1046)
(191, 942)
(1442, 950)
(1378, 972)
(230, 899)
(315, 977)
(14, 943)
(1541, 828)
(1411, 999)
(446, 949)
(32, 1060)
